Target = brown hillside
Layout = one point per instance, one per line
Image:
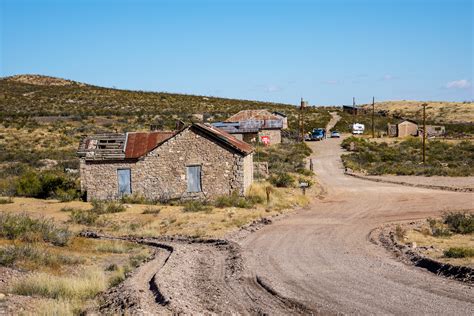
(438, 111)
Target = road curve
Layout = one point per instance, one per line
(322, 257)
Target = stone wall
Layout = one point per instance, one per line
(248, 172)
(162, 173)
(274, 134)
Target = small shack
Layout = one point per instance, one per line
(197, 162)
(403, 129)
(435, 130)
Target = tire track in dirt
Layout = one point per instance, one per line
(189, 276)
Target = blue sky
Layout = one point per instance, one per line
(324, 51)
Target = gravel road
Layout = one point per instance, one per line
(322, 257)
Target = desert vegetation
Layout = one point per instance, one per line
(405, 157)
(57, 268)
(457, 117)
(448, 239)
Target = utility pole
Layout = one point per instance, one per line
(353, 110)
(302, 106)
(373, 115)
(424, 132)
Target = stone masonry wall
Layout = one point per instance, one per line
(274, 134)
(162, 173)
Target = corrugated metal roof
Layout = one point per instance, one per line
(225, 138)
(140, 143)
(246, 115)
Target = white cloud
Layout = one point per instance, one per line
(272, 88)
(388, 77)
(458, 84)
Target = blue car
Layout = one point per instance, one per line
(318, 134)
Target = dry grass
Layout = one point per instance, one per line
(113, 246)
(437, 245)
(58, 307)
(459, 112)
(171, 220)
(66, 287)
(85, 285)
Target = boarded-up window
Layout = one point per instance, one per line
(194, 178)
(124, 182)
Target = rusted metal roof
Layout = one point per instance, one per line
(250, 115)
(224, 138)
(140, 143)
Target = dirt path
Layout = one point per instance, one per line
(332, 122)
(322, 257)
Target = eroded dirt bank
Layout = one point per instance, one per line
(191, 276)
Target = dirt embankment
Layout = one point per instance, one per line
(386, 237)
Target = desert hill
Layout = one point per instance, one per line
(436, 111)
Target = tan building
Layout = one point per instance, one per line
(255, 126)
(198, 162)
(403, 129)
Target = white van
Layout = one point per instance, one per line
(358, 128)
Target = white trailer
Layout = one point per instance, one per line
(358, 128)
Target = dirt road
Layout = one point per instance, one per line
(322, 257)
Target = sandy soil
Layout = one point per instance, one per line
(452, 182)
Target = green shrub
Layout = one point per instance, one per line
(459, 252)
(235, 200)
(405, 158)
(151, 210)
(10, 255)
(459, 222)
(8, 200)
(136, 199)
(46, 185)
(103, 207)
(118, 275)
(23, 227)
(400, 232)
(284, 157)
(68, 209)
(282, 180)
(438, 229)
(83, 217)
(66, 195)
(196, 206)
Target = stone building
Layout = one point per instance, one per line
(198, 162)
(255, 126)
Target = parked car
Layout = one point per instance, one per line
(335, 134)
(318, 134)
